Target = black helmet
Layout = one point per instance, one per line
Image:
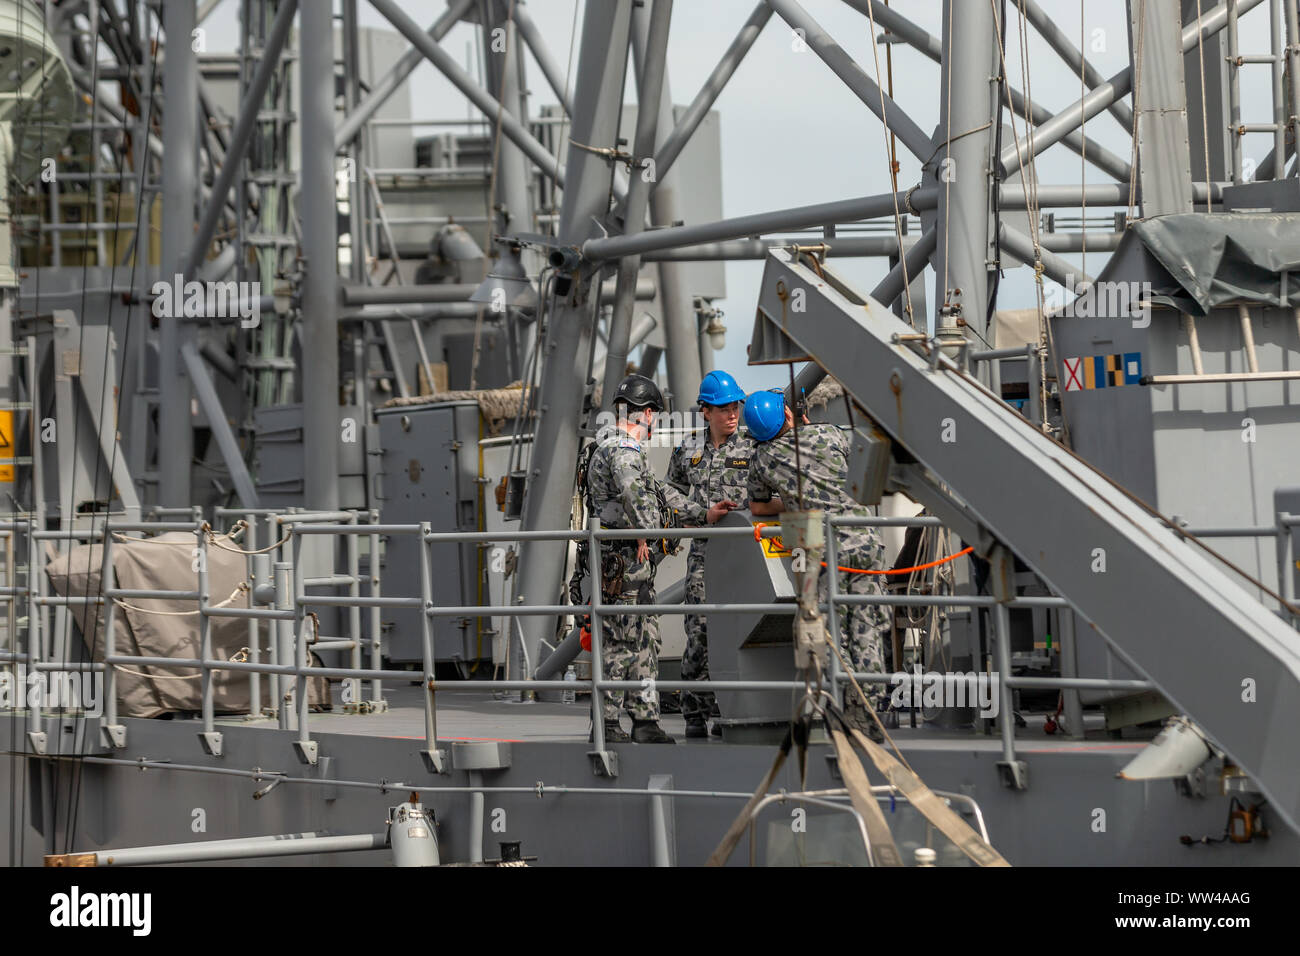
(639, 391)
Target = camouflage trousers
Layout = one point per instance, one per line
(863, 628)
(695, 659)
(630, 650)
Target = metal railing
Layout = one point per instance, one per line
(277, 580)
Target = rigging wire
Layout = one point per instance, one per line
(898, 218)
(1028, 186)
(19, 763)
(93, 637)
(949, 174)
(68, 516)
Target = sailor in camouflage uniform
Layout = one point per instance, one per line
(822, 461)
(710, 466)
(624, 493)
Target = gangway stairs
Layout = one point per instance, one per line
(1164, 606)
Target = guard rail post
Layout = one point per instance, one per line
(35, 629)
(254, 640)
(304, 745)
(433, 757)
(600, 756)
(376, 620)
(209, 738)
(832, 607)
(1285, 562)
(114, 734)
(283, 646)
(352, 544)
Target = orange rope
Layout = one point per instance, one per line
(758, 536)
(919, 567)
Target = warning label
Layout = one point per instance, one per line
(7, 445)
(773, 547)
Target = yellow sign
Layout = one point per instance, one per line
(7, 444)
(772, 547)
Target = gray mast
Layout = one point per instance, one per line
(681, 328)
(503, 55)
(966, 247)
(651, 77)
(598, 100)
(180, 186)
(320, 353)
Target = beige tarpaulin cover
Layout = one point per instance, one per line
(497, 405)
(1012, 327)
(165, 563)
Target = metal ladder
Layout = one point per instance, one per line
(1283, 16)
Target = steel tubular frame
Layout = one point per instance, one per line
(288, 670)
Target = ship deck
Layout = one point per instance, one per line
(481, 715)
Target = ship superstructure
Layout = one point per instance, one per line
(296, 370)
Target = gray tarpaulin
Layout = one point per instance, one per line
(1225, 257)
(165, 563)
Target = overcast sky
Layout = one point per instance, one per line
(792, 134)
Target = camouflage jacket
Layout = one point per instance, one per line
(823, 462)
(624, 492)
(706, 475)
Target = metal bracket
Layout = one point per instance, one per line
(1014, 774)
(435, 761)
(306, 750)
(211, 741)
(365, 707)
(604, 763)
(1193, 784)
(113, 735)
(38, 740)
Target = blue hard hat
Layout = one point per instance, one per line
(719, 388)
(765, 414)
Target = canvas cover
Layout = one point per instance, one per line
(165, 562)
(1225, 257)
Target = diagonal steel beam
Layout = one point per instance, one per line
(1165, 605)
(1056, 268)
(205, 9)
(1072, 56)
(1120, 85)
(1098, 155)
(928, 45)
(542, 55)
(690, 120)
(800, 217)
(512, 128)
(888, 289)
(390, 81)
(855, 78)
(242, 134)
(206, 393)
